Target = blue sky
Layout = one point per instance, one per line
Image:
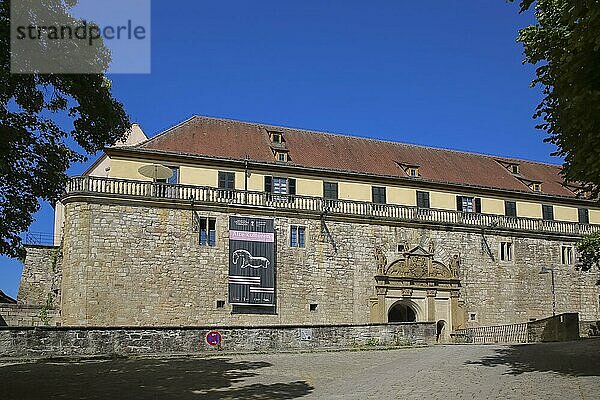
(442, 73)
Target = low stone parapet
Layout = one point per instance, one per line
(98, 341)
(20, 315)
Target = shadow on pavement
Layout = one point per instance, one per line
(214, 378)
(579, 358)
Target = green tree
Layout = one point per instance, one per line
(34, 150)
(589, 251)
(564, 44)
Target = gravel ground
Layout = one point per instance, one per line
(538, 371)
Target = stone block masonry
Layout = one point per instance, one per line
(25, 315)
(40, 280)
(132, 263)
(92, 341)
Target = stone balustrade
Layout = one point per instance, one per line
(95, 186)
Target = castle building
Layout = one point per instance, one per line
(219, 222)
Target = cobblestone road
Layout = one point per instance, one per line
(540, 371)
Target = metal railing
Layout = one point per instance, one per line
(41, 239)
(394, 212)
(514, 333)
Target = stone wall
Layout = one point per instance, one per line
(40, 281)
(25, 315)
(59, 341)
(559, 328)
(589, 328)
(134, 264)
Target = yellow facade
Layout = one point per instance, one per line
(309, 187)
(402, 196)
(492, 206)
(198, 176)
(529, 210)
(354, 191)
(190, 174)
(127, 169)
(562, 213)
(442, 200)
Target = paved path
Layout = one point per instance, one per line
(541, 371)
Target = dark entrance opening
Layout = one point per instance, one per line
(402, 313)
(440, 328)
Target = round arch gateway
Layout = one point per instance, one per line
(402, 311)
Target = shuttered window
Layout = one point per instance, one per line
(330, 190)
(226, 180)
(584, 216)
(378, 195)
(510, 208)
(547, 212)
(280, 188)
(422, 199)
(468, 204)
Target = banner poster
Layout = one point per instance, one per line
(251, 261)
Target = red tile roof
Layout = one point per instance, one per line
(239, 140)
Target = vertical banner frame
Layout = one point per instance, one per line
(252, 262)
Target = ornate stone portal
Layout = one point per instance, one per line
(430, 288)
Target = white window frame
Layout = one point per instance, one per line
(506, 251)
(567, 255)
(297, 245)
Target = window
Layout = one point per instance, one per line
(401, 248)
(514, 168)
(506, 251)
(510, 208)
(536, 187)
(174, 179)
(330, 190)
(422, 199)
(208, 232)
(313, 307)
(280, 188)
(226, 184)
(220, 303)
(297, 236)
(547, 212)
(472, 317)
(566, 255)
(468, 204)
(413, 171)
(226, 180)
(378, 195)
(276, 137)
(584, 215)
(282, 156)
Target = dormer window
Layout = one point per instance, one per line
(511, 166)
(536, 187)
(409, 169)
(276, 137)
(282, 156)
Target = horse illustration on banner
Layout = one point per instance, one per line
(247, 260)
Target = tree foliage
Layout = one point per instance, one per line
(564, 44)
(589, 251)
(34, 154)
